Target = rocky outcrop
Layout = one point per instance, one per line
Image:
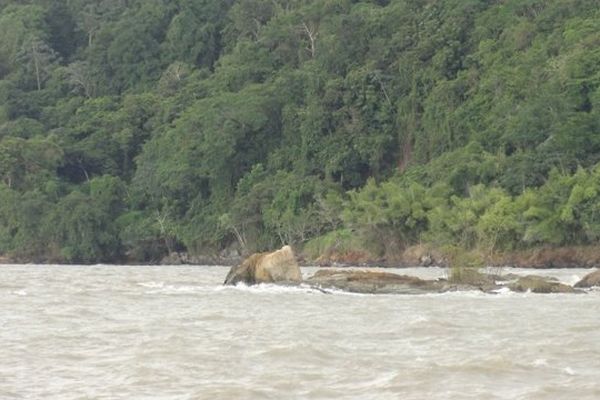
(277, 267)
(375, 282)
(372, 282)
(538, 284)
(281, 267)
(590, 280)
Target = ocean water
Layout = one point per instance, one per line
(123, 332)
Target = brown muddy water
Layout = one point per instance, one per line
(115, 332)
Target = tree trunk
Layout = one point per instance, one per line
(312, 34)
(36, 64)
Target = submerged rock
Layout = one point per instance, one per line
(373, 282)
(277, 267)
(538, 284)
(590, 280)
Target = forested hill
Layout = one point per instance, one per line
(134, 128)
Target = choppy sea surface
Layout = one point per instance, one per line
(140, 332)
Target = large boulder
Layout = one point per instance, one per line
(277, 267)
(538, 284)
(590, 280)
(372, 282)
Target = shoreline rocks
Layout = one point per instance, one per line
(183, 258)
(543, 257)
(280, 267)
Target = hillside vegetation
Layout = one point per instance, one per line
(130, 129)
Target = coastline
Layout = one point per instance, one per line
(544, 257)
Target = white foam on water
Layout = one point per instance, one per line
(340, 292)
(569, 371)
(21, 292)
(178, 289)
(419, 319)
(502, 290)
(573, 280)
(457, 293)
(383, 380)
(152, 284)
(270, 288)
(540, 362)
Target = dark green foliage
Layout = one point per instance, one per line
(130, 129)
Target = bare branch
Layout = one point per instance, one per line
(312, 33)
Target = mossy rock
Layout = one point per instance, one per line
(590, 280)
(538, 284)
(473, 278)
(372, 282)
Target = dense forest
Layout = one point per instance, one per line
(131, 129)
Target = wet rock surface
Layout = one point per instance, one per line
(590, 280)
(280, 267)
(538, 284)
(373, 282)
